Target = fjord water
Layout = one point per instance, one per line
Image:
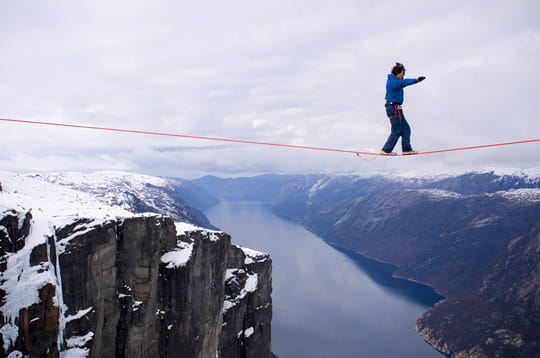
(328, 303)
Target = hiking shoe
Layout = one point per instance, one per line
(410, 152)
(382, 152)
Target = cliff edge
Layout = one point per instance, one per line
(82, 279)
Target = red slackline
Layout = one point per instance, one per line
(254, 142)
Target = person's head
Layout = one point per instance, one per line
(398, 70)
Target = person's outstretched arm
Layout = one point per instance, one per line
(408, 81)
(411, 81)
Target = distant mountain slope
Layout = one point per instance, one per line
(450, 231)
(439, 237)
(498, 318)
(139, 193)
(261, 188)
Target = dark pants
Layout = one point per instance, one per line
(400, 128)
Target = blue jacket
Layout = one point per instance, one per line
(394, 88)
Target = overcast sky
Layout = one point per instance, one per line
(296, 72)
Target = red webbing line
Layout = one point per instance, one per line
(481, 146)
(255, 142)
(185, 136)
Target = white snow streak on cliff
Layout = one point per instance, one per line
(319, 185)
(178, 257)
(79, 314)
(182, 227)
(247, 333)
(252, 255)
(249, 286)
(50, 206)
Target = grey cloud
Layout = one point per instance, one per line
(306, 72)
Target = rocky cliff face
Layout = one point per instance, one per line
(125, 285)
(248, 307)
(133, 288)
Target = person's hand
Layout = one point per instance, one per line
(420, 79)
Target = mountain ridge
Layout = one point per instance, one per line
(447, 231)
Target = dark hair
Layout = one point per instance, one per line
(398, 67)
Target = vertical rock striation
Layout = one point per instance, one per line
(248, 304)
(134, 287)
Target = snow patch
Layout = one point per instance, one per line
(79, 341)
(183, 227)
(22, 283)
(249, 286)
(211, 235)
(439, 194)
(75, 353)
(79, 314)
(319, 185)
(79, 230)
(50, 205)
(136, 305)
(529, 175)
(342, 219)
(479, 223)
(9, 332)
(247, 333)
(529, 195)
(178, 257)
(252, 255)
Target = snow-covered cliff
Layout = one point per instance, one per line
(82, 274)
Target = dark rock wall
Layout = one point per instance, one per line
(192, 299)
(12, 238)
(117, 298)
(37, 324)
(247, 322)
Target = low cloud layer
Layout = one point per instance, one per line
(308, 73)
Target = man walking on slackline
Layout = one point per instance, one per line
(394, 100)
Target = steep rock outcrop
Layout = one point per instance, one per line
(132, 287)
(192, 296)
(247, 313)
(29, 312)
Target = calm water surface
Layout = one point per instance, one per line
(328, 303)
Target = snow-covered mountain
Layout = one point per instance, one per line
(112, 264)
(453, 231)
(134, 192)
